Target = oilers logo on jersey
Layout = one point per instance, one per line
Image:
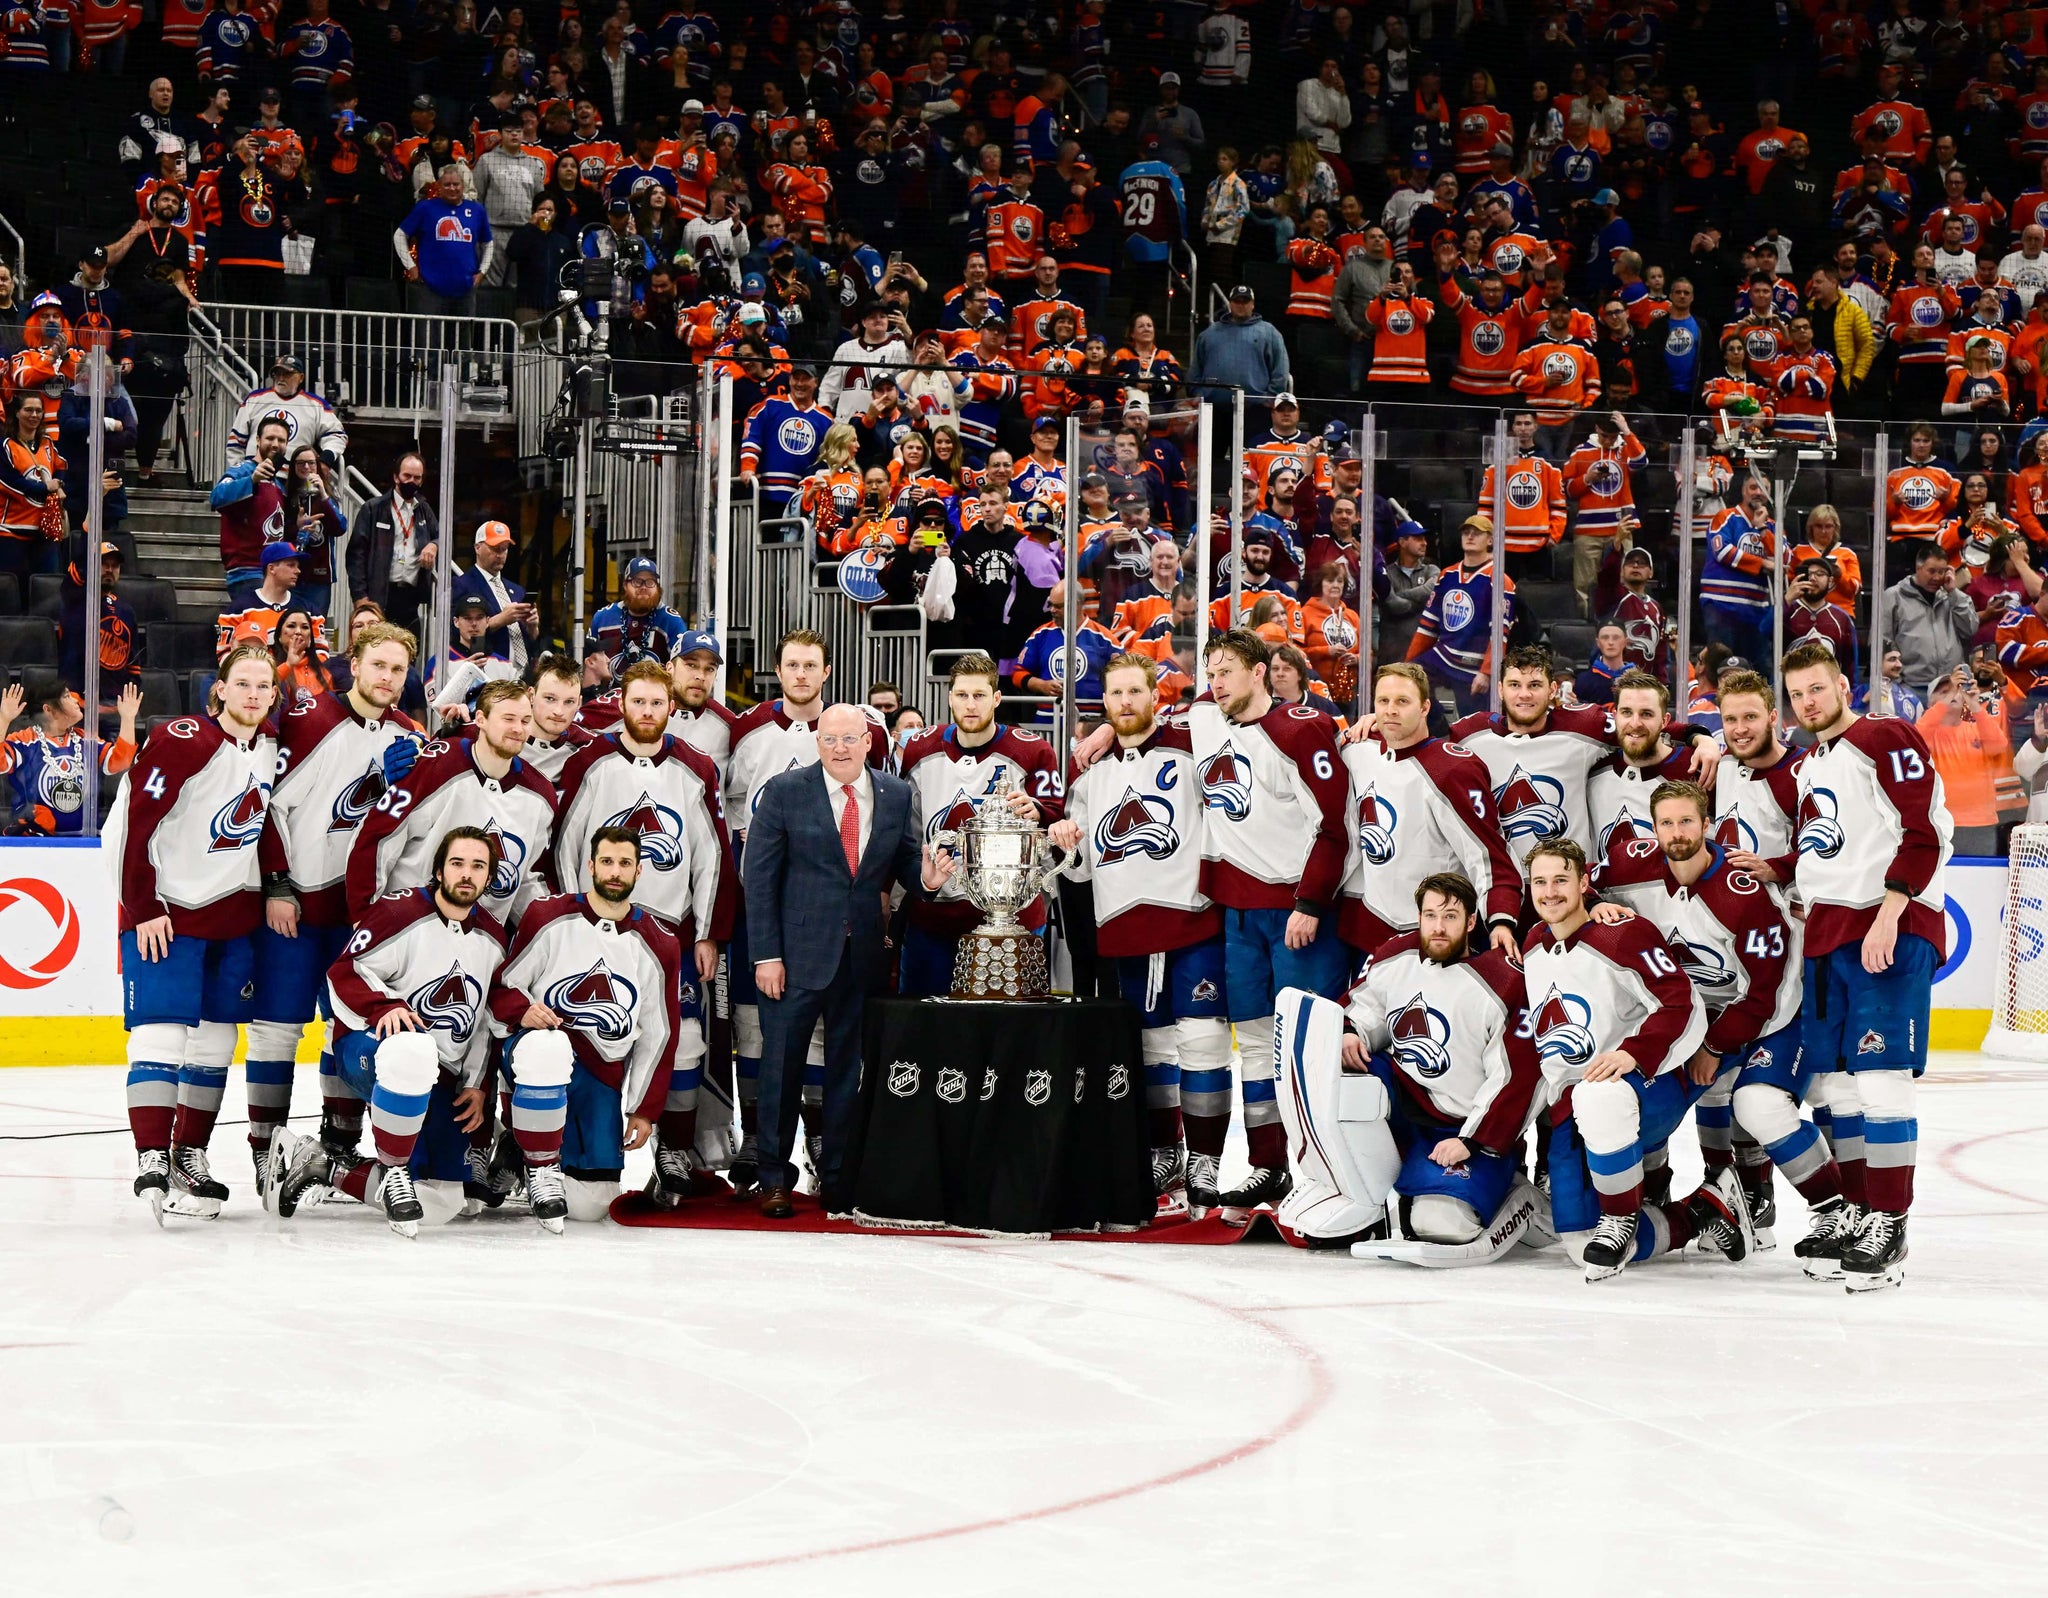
(60, 783)
(1458, 612)
(797, 436)
(1377, 819)
(598, 1001)
(1563, 1029)
(239, 822)
(1421, 1039)
(1227, 783)
(1531, 806)
(1819, 832)
(355, 802)
(511, 856)
(660, 829)
(449, 1002)
(1138, 824)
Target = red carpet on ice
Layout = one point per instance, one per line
(732, 1215)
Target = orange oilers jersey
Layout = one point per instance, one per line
(1918, 498)
(1557, 379)
(1051, 366)
(2022, 641)
(1802, 390)
(1488, 342)
(695, 169)
(1312, 277)
(1601, 481)
(1535, 502)
(595, 160)
(1509, 255)
(802, 194)
(891, 531)
(1400, 340)
(1919, 322)
(1533, 309)
(1725, 390)
(1220, 619)
(1763, 337)
(831, 499)
(1031, 326)
(1015, 239)
(20, 515)
(2002, 344)
(1300, 452)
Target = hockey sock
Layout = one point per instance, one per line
(341, 1109)
(678, 1120)
(1844, 1129)
(1752, 1163)
(408, 1065)
(267, 1076)
(1714, 1118)
(1771, 1123)
(1162, 1087)
(1163, 1128)
(1205, 1133)
(1610, 1118)
(202, 1080)
(153, 1055)
(541, 1065)
(361, 1181)
(1891, 1136)
(1204, 1083)
(1265, 1136)
(1662, 1229)
(746, 1060)
(678, 1128)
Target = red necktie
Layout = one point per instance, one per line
(849, 828)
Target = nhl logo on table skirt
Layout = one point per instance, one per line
(903, 1075)
(1119, 1081)
(1080, 1082)
(988, 1083)
(953, 1085)
(1037, 1087)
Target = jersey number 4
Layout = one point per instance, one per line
(153, 785)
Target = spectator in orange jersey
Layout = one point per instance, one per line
(1330, 632)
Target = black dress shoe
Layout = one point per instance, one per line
(775, 1204)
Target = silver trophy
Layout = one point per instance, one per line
(1005, 862)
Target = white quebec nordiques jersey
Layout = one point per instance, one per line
(615, 984)
(1608, 988)
(407, 953)
(1540, 779)
(330, 772)
(1455, 1033)
(951, 782)
(1756, 810)
(185, 826)
(1141, 815)
(1276, 794)
(766, 743)
(672, 801)
(708, 730)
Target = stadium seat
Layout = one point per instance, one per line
(370, 294)
(28, 641)
(1571, 643)
(1434, 481)
(179, 645)
(45, 594)
(197, 686)
(1547, 601)
(151, 598)
(10, 594)
(160, 692)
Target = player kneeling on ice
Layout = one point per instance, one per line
(1616, 1021)
(411, 1036)
(589, 1004)
(1419, 1085)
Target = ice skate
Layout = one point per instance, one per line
(193, 1191)
(1201, 1184)
(153, 1179)
(1610, 1248)
(302, 1173)
(261, 1156)
(494, 1175)
(545, 1193)
(1876, 1256)
(674, 1177)
(1830, 1228)
(1265, 1187)
(1169, 1183)
(401, 1202)
(1721, 1218)
(1763, 1214)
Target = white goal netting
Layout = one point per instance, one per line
(2019, 1017)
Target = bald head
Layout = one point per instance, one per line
(843, 741)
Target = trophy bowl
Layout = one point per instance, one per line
(1005, 862)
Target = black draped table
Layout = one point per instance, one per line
(1002, 1117)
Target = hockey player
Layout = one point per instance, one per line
(701, 719)
(336, 757)
(587, 1004)
(184, 829)
(1618, 793)
(1419, 1084)
(952, 769)
(1756, 794)
(557, 701)
(642, 778)
(1137, 818)
(1873, 838)
(407, 995)
(1423, 806)
(1615, 1022)
(481, 781)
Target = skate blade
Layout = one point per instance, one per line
(1766, 1240)
(156, 1206)
(553, 1225)
(405, 1229)
(1874, 1281)
(187, 1207)
(1822, 1270)
(1603, 1273)
(1172, 1206)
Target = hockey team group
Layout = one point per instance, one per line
(1471, 985)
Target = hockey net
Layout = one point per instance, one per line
(2019, 1018)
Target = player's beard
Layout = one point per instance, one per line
(463, 892)
(1516, 724)
(1444, 951)
(646, 729)
(1132, 722)
(1640, 749)
(1679, 850)
(611, 890)
(1233, 709)
(694, 696)
(1759, 746)
(976, 727)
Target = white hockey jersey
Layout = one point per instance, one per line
(708, 730)
(617, 987)
(1540, 779)
(1418, 811)
(330, 772)
(951, 782)
(1457, 1035)
(1618, 798)
(1607, 988)
(1755, 810)
(185, 826)
(1277, 823)
(766, 743)
(407, 954)
(1141, 816)
(395, 846)
(549, 756)
(1872, 815)
(672, 800)
(1729, 930)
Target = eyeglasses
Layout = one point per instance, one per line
(849, 740)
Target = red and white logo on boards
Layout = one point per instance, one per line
(60, 943)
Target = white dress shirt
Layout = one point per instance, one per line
(864, 796)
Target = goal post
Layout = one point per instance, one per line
(2019, 1017)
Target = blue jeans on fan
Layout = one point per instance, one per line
(1746, 629)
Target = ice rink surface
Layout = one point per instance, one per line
(488, 1411)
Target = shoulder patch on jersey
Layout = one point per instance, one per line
(440, 746)
(1026, 735)
(1743, 882)
(1641, 848)
(183, 727)
(1303, 713)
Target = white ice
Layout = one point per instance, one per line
(229, 1409)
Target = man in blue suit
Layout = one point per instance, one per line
(514, 620)
(824, 845)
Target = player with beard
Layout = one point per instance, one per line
(701, 719)
(337, 754)
(953, 768)
(642, 778)
(1419, 1084)
(1756, 795)
(777, 736)
(1874, 837)
(185, 828)
(587, 1003)
(407, 996)
(1618, 793)
(1137, 818)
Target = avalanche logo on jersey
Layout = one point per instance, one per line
(1703, 963)
(1732, 832)
(1530, 806)
(1138, 824)
(1422, 1040)
(754, 802)
(1227, 783)
(1820, 834)
(959, 810)
(1625, 826)
(597, 1001)
(1377, 819)
(1563, 1030)
(239, 822)
(355, 802)
(449, 1002)
(511, 860)
(660, 829)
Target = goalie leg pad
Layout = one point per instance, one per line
(1519, 1220)
(1342, 1148)
(1476, 1190)
(589, 1200)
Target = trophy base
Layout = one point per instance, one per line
(1006, 964)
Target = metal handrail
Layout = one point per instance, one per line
(1191, 278)
(20, 251)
